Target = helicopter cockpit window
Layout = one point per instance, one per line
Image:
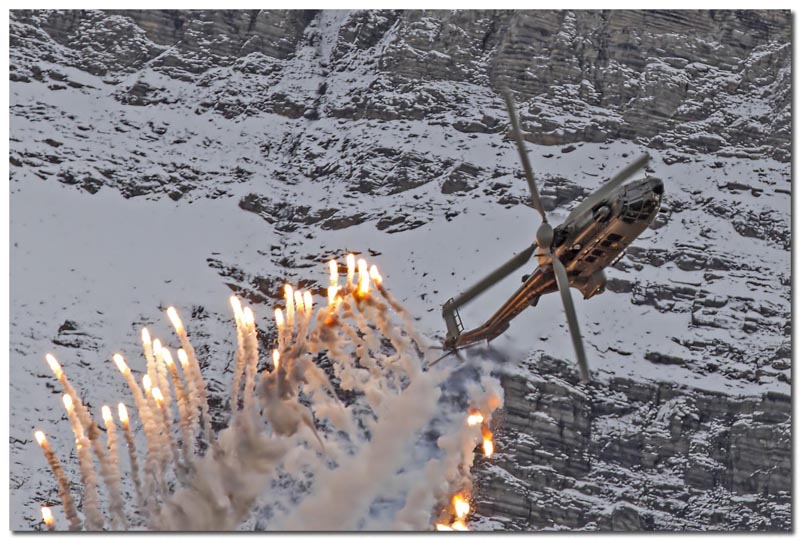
(640, 209)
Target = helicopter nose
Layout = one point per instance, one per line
(656, 186)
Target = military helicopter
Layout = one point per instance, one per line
(573, 254)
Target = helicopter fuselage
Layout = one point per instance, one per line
(586, 244)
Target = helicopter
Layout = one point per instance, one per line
(574, 254)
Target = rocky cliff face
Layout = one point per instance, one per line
(625, 456)
(385, 128)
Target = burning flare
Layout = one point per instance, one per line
(249, 317)
(167, 356)
(460, 506)
(47, 517)
(350, 259)
(121, 365)
(334, 269)
(475, 419)
(172, 313)
(332, 290)
(236, 304)
(67, 402)
(459, 525)
(363, 279)
(375, 275)
(54, 365)
(183, 358)
(488, 443)
(123, 413)
(41, 440)
(357, 339)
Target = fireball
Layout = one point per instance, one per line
(460, 506)
(488, 442)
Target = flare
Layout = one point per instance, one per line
(351, 268)
(63, 483)
(334, 269)
(47, 517)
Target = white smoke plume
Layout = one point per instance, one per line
(346, 429)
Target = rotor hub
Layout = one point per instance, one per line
(544, 236)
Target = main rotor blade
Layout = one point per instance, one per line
(523, 154)
(509, 266)
(609, 186)
(572, 318)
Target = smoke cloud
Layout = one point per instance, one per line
(346, 429)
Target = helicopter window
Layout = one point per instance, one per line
(637, 206)
(590, 259)
(628, 220)
(614, 237)
(605, 243)
(597, 252)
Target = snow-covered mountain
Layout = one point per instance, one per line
(168, 158)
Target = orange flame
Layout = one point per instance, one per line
(276, 358)
(279, 318)
(308, 302)
(236, 304)
(488, 443)
(288, 294)
(459, 525)
(172, 313)
(460, 506)
(351, 267)
(183, 358)
(121, 365)
(363, 278)
(147, 384)
(475, 418)
(249, 317)
(332, 290)
(375, 275)
(443, 527)
(67, 402)
(54, 365)
(146, 336)
(47, 516)
(41, 440)
(123, 414)
(298, 300)
(334, 268)
(106, 412)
